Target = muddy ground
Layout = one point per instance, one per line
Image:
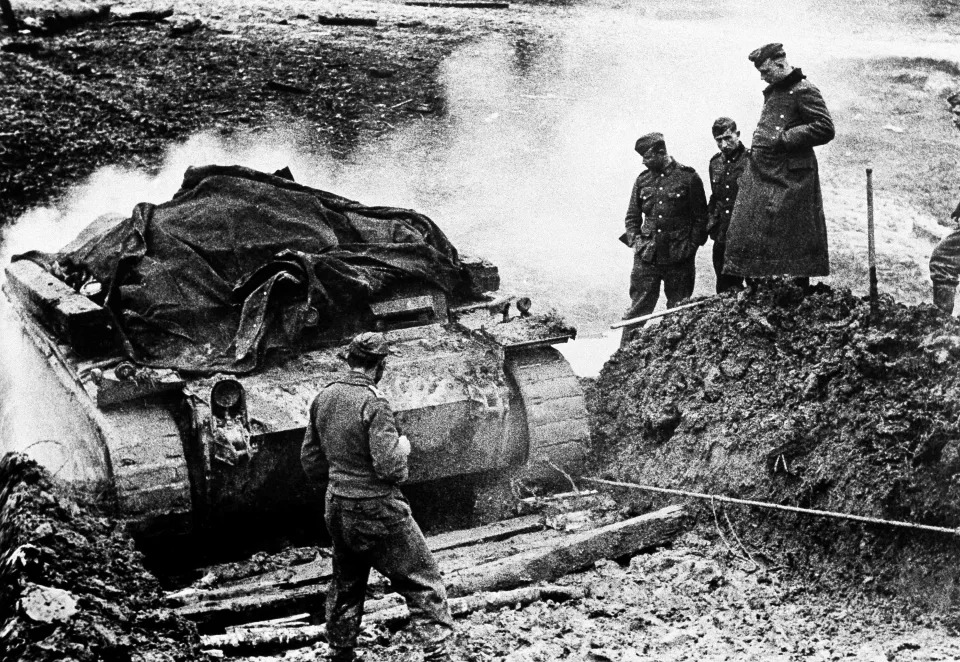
(121, 93)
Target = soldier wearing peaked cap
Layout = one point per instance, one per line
(352, 444)
(945, 260)
(666, 222)
(778, 226)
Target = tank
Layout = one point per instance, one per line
(181, 442)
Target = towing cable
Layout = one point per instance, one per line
(775, 506)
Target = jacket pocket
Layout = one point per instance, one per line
(802, 163)
(646, 247)
(681, 245)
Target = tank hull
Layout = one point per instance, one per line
(470, 405)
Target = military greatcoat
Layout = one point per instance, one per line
(778, 226)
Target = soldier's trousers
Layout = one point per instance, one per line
(724, 281)
(646, 277)
(945, 260)
(381, 533)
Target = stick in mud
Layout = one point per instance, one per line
(669, 311)
(775, 506)
(871, 246)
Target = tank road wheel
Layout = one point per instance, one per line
(555, 413)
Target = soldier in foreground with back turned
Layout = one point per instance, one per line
(778, 227)
(352, 444)
(666, 222)
(726, 166)
(945, 260)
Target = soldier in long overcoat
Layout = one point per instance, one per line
(778, 226)
(945, 260)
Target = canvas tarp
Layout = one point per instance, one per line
(196, 283)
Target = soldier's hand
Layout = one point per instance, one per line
(404, 444)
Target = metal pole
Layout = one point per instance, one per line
(775, 506)
(871, 248)
(633, 321)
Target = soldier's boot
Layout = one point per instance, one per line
(943, 296)
(438, 652)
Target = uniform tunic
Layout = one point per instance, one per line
(778, 226)
(725, 172)
(352, 443)
(666, 222)
(945, 260)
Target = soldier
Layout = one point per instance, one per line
(666, 222)
(726, 166)
(352, 444)
(778, 226)
(945, 260)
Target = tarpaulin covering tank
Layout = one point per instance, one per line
(198, 283)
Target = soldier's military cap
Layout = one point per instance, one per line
(954, 99)
(369, 344)
(722, 125)
(766, 52)
(644, 143)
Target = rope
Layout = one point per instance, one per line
(774, 506)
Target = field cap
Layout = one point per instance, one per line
(644, 143)
(722, 125)
(764, 53)
(369, 344)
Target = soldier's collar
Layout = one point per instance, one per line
(670, 167)
(791, 78)
(356, 377)
(737, 153)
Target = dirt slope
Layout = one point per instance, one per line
(72, 586)
(801, 400)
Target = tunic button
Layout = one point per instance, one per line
(660, 216)
(728, 186)
(781, 117)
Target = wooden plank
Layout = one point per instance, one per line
(265, 640)
(487, 533)
(461, 5)
(347, 21)
(495, 565)
(571, 554)
(270, 591)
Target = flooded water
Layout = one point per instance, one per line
(533, 164)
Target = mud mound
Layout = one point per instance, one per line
(799, 400)
(72, 586)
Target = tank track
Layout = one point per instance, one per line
(556, 414)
